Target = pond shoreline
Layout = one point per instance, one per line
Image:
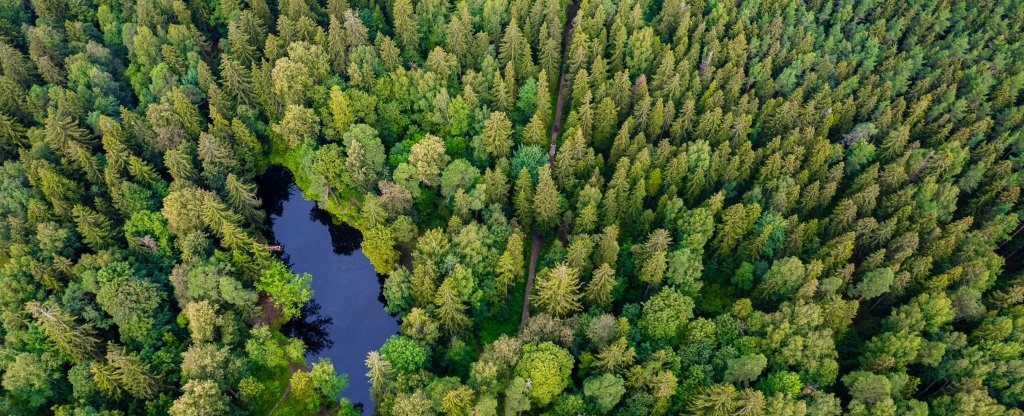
(345, 319)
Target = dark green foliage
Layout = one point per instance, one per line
(748, 208)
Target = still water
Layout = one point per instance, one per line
(346, 318)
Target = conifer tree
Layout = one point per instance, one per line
(341, 111)
(132, 373)
(601, 285)
(510, 265)
(548, 202)
(379, 374)
(523, 199)
(406, 28)
(496, 135)
(558, 292)
(451, 312)
(236, 82)
(95, 229)
(515, 49)
(242, 198)
(76, 341)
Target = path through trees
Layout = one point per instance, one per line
(556, 127)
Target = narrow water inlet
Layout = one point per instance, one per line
(346, 318)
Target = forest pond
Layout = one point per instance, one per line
(345, 319)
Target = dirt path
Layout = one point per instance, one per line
(556, 128)
(534, 253)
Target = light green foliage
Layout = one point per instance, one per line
(547, 202)
(29, 378)
(547, 368)
(784, 382)
(459, 174)
(664, 314)
(605, 391)
(496, 135)
(558, 291)
(289, 290)
(70, 338)
(873, 284)
(429, 159)
(379, 246)
(200, 398)
(364, 156)
(743, 370)
(403, 354)
(298, 125)
(341, 111)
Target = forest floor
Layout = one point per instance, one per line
(556, 128)
(269, 312)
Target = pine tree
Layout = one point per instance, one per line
(103, 375)
(607, 251)
(616, 356)
(236, 82)
(424, 286)
(76, 341)
(451, 312)
(510, 265)
(601, 285)
(12, 133)
(547, 202)
(497, 186)
(242, 198)
(379, 374)
(356, 33)
(536, 133)
(337, 45)
(558, 293)
(496, 135)
(406, 28)
(141, 170)
(515, 49)
(550, 59)
(132, 373)
(95, 228)
(542, 108)
(241, 45)
(502, 92)
(523, 199)
(181, 165)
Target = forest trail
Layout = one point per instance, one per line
(556, 128)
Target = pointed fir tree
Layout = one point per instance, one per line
(548, 201)
(522, 199)
(451, 312)
(76, 341)
(95, 229)
(510, 265)
(242, 198)
(558, 292)
(601, 285)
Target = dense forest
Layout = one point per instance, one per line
(622, 207)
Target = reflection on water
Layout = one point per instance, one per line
(311, 327)
(345, 239)
(346, 318)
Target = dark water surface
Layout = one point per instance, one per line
(346, 318)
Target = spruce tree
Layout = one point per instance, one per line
(451, 312)
(558, 291)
